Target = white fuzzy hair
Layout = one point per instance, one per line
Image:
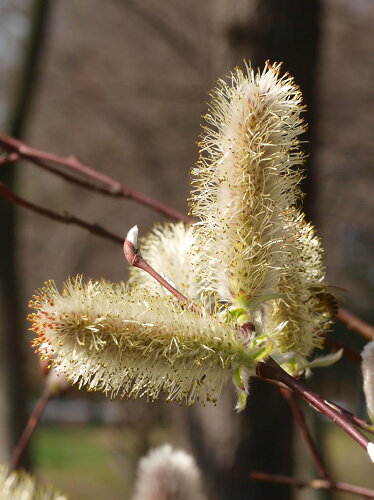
(168, 474)
(247, 178)
(367, 367)
(127, 342)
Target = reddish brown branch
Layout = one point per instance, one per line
(135, 259)
(271, 370)
(65, 218)
(108, 185)
(305, 434)
(313, 483)
(359, 422)
(352, 322)
(32, 422)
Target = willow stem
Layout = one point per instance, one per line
(65, 218)
(316, 484)
(32, 422)
(305, 434)
(271, 370)
(135, 259)
(352, 322)
(109, 185)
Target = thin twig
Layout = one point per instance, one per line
(65, 218)
(305, 434)
(359, 422)
(352, 322)
(109, 185)
(317, 484)
(32, 422)
(135, 259)
(271, 370)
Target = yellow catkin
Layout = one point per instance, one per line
(128, 342)
(246, 179)
(22, 486)
(246, 189)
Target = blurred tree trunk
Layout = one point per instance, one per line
(13, 385)
(279, 31)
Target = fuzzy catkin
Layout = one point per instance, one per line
(246, 180)
(260, 255)
(21, 486)
(367, 368)
(166, 473)
(303, 307)
(127, 342)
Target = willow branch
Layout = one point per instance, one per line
(352, 322)
(108, 185)
(305, 434)
(359, 422)
(317, 484)
(32, 422)
(354, 419)
(135, 259)
(271, 370)
(65, 218)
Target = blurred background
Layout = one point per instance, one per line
(122, 84)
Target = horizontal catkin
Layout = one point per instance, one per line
(22, 486)
(128, 342)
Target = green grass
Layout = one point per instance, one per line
(82, 461)
(348, 462)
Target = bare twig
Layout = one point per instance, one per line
(354, 419)
(305, 434)
(271, 370)
(359, 422)
(32, 422)
(352, 322)
(65, 218)
(135, 259)
(108, 185)
(317, 484)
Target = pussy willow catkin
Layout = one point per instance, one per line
(258, 253)
(21, 486)
(128, 342)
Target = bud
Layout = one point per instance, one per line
(132, 236)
